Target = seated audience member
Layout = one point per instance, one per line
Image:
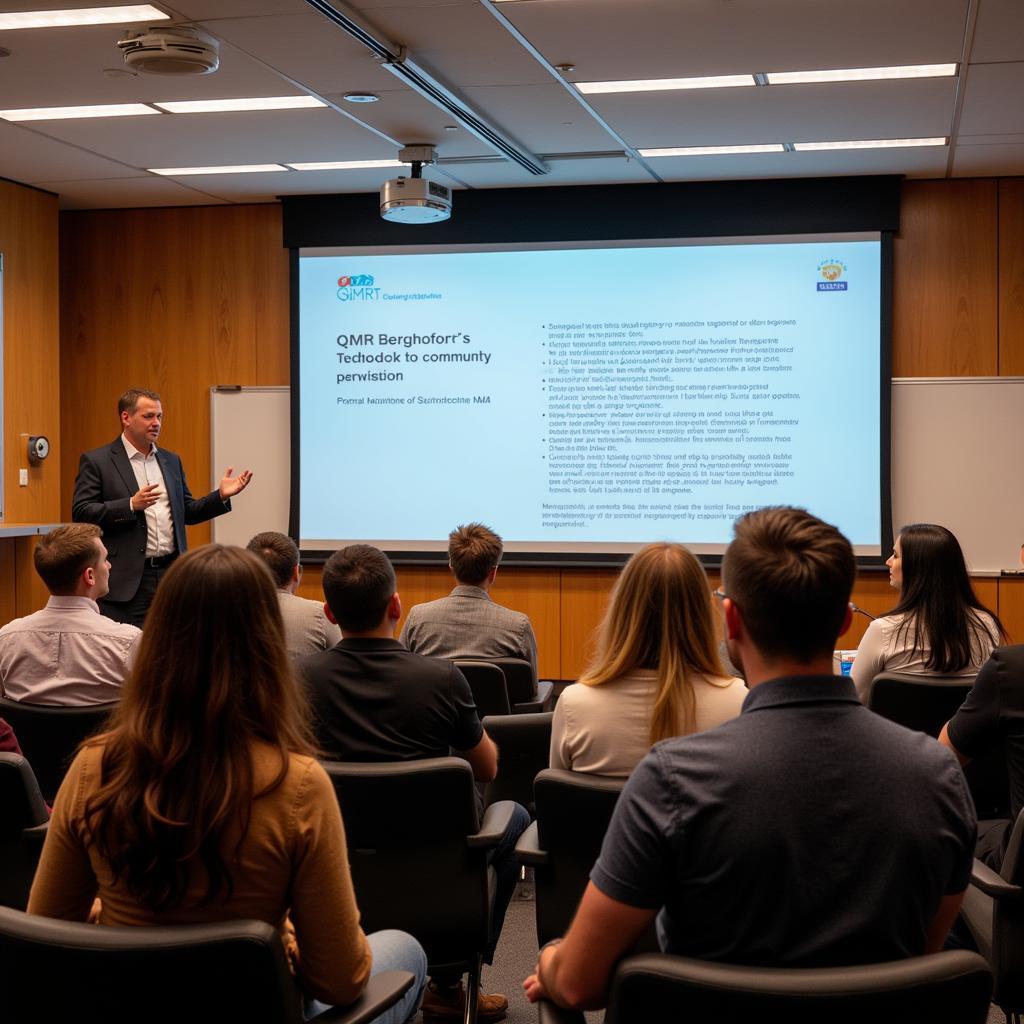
(992, 717)
(374, 700)
(806, 832)
(938, 627)
(203, 802)
(467, 623)
(306, 627)
(656, 673)
(68, 653)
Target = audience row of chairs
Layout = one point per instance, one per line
(445, 897)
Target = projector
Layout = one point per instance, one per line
(415, 200)
(170, 51)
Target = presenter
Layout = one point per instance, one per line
(137, 494)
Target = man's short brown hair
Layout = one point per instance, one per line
(62, 555)
(790, 575)
(130, 399)
(280, 553)
(358, 583)
(473, 551)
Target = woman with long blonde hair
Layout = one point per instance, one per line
(656, 673)
(203, 802)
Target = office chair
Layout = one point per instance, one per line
(926, 704)
(993, 910)
(49, 735)
(23, 824)
(952, 987)
(231, 971)
(573, 811)
(419, 856)
(526, 695)
(487, 683)
(524, 748)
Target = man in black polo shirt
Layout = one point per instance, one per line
(806, 832)
(374, 700)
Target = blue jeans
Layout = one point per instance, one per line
(506, 871)
(392, 951)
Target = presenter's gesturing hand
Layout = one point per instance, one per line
(144, 497)
(230, 484)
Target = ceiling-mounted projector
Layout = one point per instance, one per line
(170, 51)
(415, 200)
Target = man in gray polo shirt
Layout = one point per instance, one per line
(806, 832)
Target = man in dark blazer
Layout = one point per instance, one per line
(137, 494)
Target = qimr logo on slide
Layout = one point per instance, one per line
(356, 286)
(831, 271)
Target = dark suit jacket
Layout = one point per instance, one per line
(103, 493)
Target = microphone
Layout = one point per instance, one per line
(860, 611)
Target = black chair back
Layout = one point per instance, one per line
(927, 703)
(524, 746)
(953, 987)
(573, 811)
(525, 694)
(487, 683)
(23, 821)
(50, 735)
(407, 826)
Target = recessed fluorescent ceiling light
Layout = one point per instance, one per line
(180, 172)
(256, 103)
(774, 147)
(869, 144)
(861, 74)
(345, 165)
(661, 84)
(68, 113)
(85, 16)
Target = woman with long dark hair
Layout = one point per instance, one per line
(938, 627)
(656, 672)
(203, 801)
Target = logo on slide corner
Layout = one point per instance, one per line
(352, 287)
(832, 270)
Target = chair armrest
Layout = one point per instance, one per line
(497, 819)
(993, 884)
(528, 849)
(542, 702)
(382, 991)
(548, 1013)
(35, 837)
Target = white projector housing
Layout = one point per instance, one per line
(170, 51)
(415, 201)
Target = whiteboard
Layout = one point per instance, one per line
(250, 428)
(956, 460)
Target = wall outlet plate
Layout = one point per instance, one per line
(23, 478)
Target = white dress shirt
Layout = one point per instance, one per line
(66, 653)
(159, 524)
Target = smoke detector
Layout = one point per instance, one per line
(170, 51)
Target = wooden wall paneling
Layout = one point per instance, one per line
(1011, 608)
(1011, 277)
(177, 300)
(31, 350)
(8, 580)
(945, 292)
(537, 593)
(30, 591)
(584, 599)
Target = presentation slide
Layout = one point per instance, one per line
(589, 398)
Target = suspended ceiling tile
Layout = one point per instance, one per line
(117, 193)
(994, 100)
(611, 40)
(791, 113)
(189, 140)
(917, 163)
(1005, 159)
(999, 32)
(605, 171)
(28, 156)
